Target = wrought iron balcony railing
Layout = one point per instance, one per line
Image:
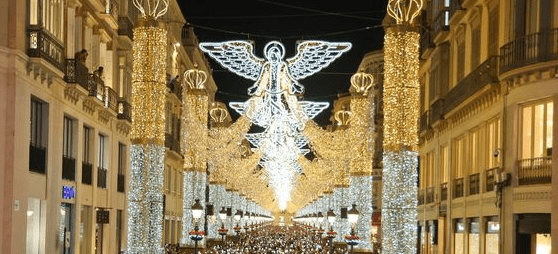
(43, 45)
(76, 72)
(111, 99)
(86, 173)
(37, 159)
(124, 110)
(474, 184)
(68, 168)
(102, 177)
(441, 22)
(530, 49)
(96, 87)
(420, 197)
(458, 187)
(430, 195)
(535, 171)
(172, 142)
(489, 179)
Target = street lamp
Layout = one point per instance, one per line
(237, 217)
(223, 216)
(320, 221)
(352, 215)
(247, 220)
(331, 234)
(197, 211)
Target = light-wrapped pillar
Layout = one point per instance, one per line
(360, 133)
(194, 121)
(401, 113)
(147, 152)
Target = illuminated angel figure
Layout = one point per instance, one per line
(276, 79)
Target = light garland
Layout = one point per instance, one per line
(152, 8)
(147, 152)
(401, 113)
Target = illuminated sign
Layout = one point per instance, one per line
(68, 192)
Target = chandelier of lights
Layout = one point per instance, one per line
(274, 105)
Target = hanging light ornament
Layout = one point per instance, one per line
(274, 104)
(401, 112)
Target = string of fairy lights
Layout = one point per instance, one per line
(260, 174)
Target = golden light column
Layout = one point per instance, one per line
(401, 113)
(147, 152)
(194, 119)
(361, 150)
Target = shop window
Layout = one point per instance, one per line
(491, 237)
(459, 237)
(36, 226)
(474, 240)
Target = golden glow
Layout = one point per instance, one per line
(401, 89)
(148, 85)
(404, 11)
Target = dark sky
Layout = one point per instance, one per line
(355, 21)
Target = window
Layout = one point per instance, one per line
(121, 167)
(444, 163)
(86, 165)
(39, 136)
(459, 237)
(493, 47)
(103, 164)
(474, 240)
(68, 156)
(475, 46)
(493, 143)
(119, 226)
(491, 236)
(168, 119)
(536, 131)
(49, 14)
(460, 57)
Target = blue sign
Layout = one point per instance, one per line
(68, 192)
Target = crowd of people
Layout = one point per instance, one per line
(274, 240)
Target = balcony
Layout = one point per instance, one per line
(111, 99)
(454, 8)
(172, 143)
(68, 168)
(531, 49)
(42, 45)
(76, 73)
(489, 179)
(37, 159)
(420, 197)
(126, 27)
(444, 191)
(441, 23)
(96, 86)
(535, 171)
(485, 74)
(121, 183)
(124, 110)
(102, 177)
(474, 184)
(458, 187)
(436, 111)
(86, 173)
(430, 195)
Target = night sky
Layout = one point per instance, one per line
(355, 21)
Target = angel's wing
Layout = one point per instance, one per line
(237, 56)
(312, 56)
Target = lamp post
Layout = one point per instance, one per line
(237, 217)
(320, 231)
(223, 231)
(352, 215)
(331, 234)
(247, 220)
(197, 211)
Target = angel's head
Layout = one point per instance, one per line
(274, 51)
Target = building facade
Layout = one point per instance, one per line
(65, 83)
(489, 83)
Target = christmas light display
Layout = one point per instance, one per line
(401, 112)
(147, 152)
(274, 105)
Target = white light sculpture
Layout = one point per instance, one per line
(274, 105)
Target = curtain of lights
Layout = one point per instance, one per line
(147, 152)
(194, 134)
(401, 112)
